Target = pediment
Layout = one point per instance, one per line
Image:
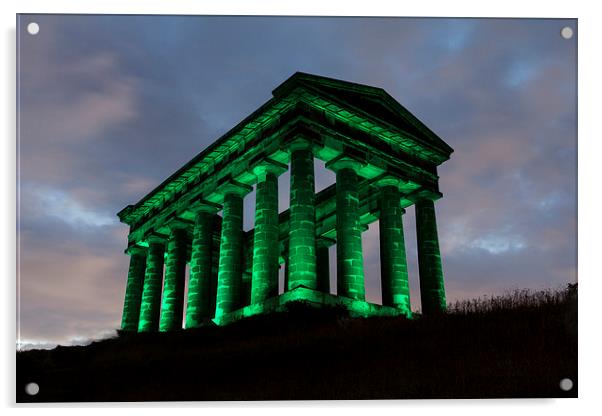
(374, 102)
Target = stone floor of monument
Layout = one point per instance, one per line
(312, 298)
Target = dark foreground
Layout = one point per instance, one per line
(508, 348)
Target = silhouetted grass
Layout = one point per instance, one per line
(516, 300)
(517, 345)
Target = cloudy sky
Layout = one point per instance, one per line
(110, 106)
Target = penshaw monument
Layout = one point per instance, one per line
(385, 160)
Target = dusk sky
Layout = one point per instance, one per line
(110, 106)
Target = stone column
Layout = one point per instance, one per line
(264, 282)
(302, 222)
(172, 306)
(198, 306)
(230, 257)
(350, 262)
(133, 289)
(245, 287)
(215, 263)
(286, 264)
(323, 264)
(153, 282)
(432, 290)
(393, 262)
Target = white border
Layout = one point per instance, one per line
(589, 35)
(458, 8)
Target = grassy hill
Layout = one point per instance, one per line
(519, 345)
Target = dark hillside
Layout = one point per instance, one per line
(520, 345)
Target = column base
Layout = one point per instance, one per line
(313, 298)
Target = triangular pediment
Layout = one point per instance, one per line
(373, 101)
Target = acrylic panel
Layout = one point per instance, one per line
(295, 208)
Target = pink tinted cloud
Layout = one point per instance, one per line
(68, 291)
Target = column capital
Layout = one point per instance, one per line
(324, 242)
(389, 180)
(178, 224)
(236, 188)
(230, 187)
(302, 141)
(135, 249)
(200, 205)
(390, 195)
(299, 143)
(156, 238)
(268, 166)
(343, 161)
(424, 195)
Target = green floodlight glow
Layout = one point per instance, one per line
(350, 262)
(384, 159)
(229, 280)
(265, 239)
(313, 298)
(199, 284)
(393, 263)
(173, 287)
(151, 293)
(133, 291)
(302, 239)
(369, 126)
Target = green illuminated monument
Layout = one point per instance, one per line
(385, 160)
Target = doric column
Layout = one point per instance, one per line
(302, 222)
(153, 283)
(230, 257)
(286, 264)
(432, 290)
(172, 306)
(133, 289)
(350, 262)
(198, 306)
(215, 263)
(323, 263)
(264, 282)
(393, 262)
